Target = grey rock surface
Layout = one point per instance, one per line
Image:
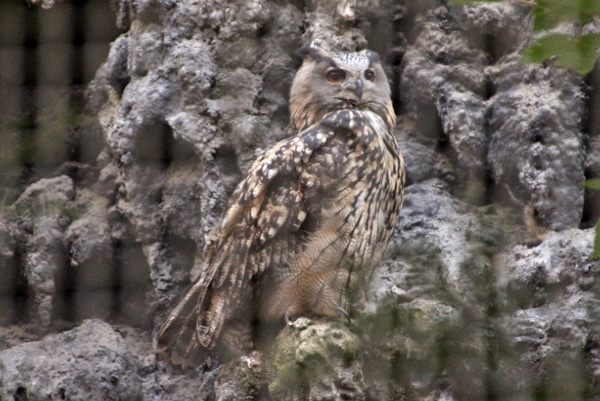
(486, 291)
(88, 362)
(317, 361)
(46, 209)
(536, 144)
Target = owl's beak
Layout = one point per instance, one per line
(353, 91)
(358, 88)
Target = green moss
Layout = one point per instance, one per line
(42, 207)
(308, 352)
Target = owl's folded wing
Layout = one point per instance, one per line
(263, 216)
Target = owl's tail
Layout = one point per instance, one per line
(188, 335)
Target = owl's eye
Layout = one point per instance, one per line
(369, 75)
(336, 75)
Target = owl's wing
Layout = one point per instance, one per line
(263, 215)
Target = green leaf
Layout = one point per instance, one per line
(592, 183)
(596, 251)
(549, 13)
(577, 53)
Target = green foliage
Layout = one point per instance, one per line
(550, 13)
(593, 183)
(576, 52)
(596, 251)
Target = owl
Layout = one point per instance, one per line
(304, 229)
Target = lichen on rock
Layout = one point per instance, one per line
(317, 361)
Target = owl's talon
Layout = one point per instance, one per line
(289, 318)
(343, 312)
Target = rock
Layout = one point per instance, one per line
(44, 210)
(554, 290)
(401, 346)
(88, 362)
(465, 305)
(463, 120)
(440, 241)
(536, 148)
(317, 361)
(12, 285)
(525, 307)
(241, 379)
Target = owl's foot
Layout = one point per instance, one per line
(291, 314)
(343, 312)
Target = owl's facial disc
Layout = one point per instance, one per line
(348, 89)
(352, 95)
(329, 81)
(349, 75)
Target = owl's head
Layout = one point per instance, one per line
(333, 81)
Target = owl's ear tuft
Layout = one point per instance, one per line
(313, 53)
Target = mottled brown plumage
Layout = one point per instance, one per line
(303, 231)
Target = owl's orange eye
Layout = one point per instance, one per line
(369, 75)
(335, 75)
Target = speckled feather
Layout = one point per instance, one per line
(305, 228)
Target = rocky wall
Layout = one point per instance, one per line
(486, 291)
